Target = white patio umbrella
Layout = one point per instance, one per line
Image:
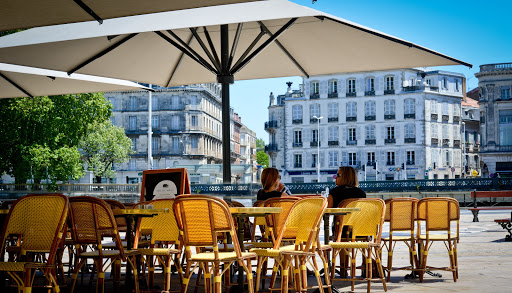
(17, 14)
(21, 81)
(249, 40)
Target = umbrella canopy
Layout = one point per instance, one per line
(21, 81)
(16, 14)
(248, 40)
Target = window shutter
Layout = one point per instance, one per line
(344, 159)
(383, 132)
(308, 160)
(321, 135)
(397, 132)
(307, 136)
(359, 130)
(321, 160)
(450, 158)
(344, 133)
(382, 159)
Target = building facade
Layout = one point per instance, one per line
(389, 125)
(186, 132)
(495, 82)
(471, 138)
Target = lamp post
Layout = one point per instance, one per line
(318, 149)
(464, 150)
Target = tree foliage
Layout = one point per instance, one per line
(262, 158)
(260, 145)
(40, 135)
(103, 147)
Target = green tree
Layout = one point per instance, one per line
(40, 136)
(262, 158)
(260, 145)
(103, 147)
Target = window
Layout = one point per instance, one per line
(505, 125)
(352, 159)
(155, 143)
(297, 112)
(155, 119)
(333, 159)
(175, 103)
(352, 134)
(175, 145)
(434, 130)
(429, 82)
(371, 158)
(445, 132)
(457, 85)
(410, 158)
(391, 159)
(505, 92)
(390, 132)
(351, 86)
(314, 160)
(445, 83)
(447, 160)
(315, 87)
(333, 110)
(370, 84)
(133, 164)
(389, 107)
(410, 131)
(314, 110)
(193, 121)
(456, 132)
(297, 137)
(433, 107)
(154, 103)
(175, 122)
(333, 133)
(193, 99)
(134, 143)
(194, 142)
(369, 108)
(370, 131)
(445, 109)
(333, 86)
(314, 135)
(133, 122)
(352, 109)
(456, 110)
(409, 107)
(390, 83)
(297, 161)
(482, 117)
(413, 81)
(133, 103)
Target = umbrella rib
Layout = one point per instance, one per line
(182, 49)
(235, 44)
(15, 85)
(249, 49)
(177, 65)
(89, 10)
(237, 68)
(205, 49)
(186, 46)
(102, 53)
(284, 50)
(212, 47)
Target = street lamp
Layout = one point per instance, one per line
(464, 150)
(318, 149)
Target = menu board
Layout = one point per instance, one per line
(164, 183)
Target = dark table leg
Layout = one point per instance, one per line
(129, 245)
(241, 233)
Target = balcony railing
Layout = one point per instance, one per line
(351, 94)
(297, 144)
(409, 116)
(271, 148)
(496, 67)
(370, 163)
(445, 117)
(314, 96)
(389, 92)
(505, 148)
(314, 144)
(456, 118)
(333, 143)
(389, 117)
(370, 141)
(390, 163)
(351, 142)
(352, 118)
(434, 141)
(456, 143)
(446, 142)
(332, 95)
(409, 163)
(369, 93)
(313, 120)
(332, 119)
(297, 165)
(270, 124)
(410, 140)
(369, 118)
(297, 121)
(411, 88)
(390, 140)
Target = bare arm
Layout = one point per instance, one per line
(329, 201)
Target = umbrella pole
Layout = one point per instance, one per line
(225, 79)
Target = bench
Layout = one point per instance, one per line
(487, 194)
(507, 225)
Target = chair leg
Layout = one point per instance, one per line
(317, 275)
(452, 260)
(258, 272)
(352, 267)
(424, 254)
(217, 285)
(78, 266)
(167, 272)
(378, 261)
(284, 274)
(368, 253)
(100, 284)
(248, 270)
(186, 279)
(390, 260)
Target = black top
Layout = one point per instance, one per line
(262, 195)
(341, 193)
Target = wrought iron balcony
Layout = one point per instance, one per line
(332, 119)
(505, 148)
(456, 118)
(389, 117)
(370, 163)
(411, 88)
(409, 162)
(445, 117)
(352, 118)
(390, 163)
(434, 116)
(370, 117)
(297, 144)
(410, 115)
(351, 94)
(434, 141)
(456, 143)
(389, 92)
(269, 148)
(332, 95)
(446, 142)
(390, 140)
(333, 143)
(351, 142)
(270, 124)
(314, 96)
(313, 120)
(370, 141)
(297, 121)
(369, 93)
(410, 140)
(314, 144)
(296, 165)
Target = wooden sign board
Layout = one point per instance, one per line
(164, 183)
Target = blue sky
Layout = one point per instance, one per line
(477, 32)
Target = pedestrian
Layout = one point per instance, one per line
(272, 185)
(347, 187)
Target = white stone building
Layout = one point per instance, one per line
(495, 82)
(382, 119)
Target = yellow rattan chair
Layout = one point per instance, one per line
(92, 220)
(39, 223)
(401, 215)
(301, 225)
(437, 214)
(201, 218)
(164, 234)
(366, 224)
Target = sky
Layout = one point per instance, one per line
(477, 32)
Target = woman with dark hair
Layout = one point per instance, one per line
(347, 187)
(272, 186)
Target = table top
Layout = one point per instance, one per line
(4, 211)
(340, 211)
(255, 210)
(139, 212)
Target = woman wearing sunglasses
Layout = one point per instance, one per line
(347, 187)
(272, 185)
